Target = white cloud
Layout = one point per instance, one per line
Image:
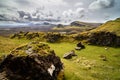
(78, 4)
(68, 13)
(79, 10)
(101, 4)
(29, 5)
(71, 15)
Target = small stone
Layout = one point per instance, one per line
(103, 57)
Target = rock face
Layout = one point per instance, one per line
(34, 61)
(104, 39)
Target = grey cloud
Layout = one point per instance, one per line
(21, 14)
(101, 4)
(37, 16)
(23, 1)
(4, 17)
(71, 1)
(2, 5)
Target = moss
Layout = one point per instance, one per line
(53, 37)
(33, 47)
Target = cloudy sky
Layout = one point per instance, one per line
(59, 10)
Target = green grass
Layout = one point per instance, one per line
(110, 26)
(6, 44)
(94, 68)
(86, 66)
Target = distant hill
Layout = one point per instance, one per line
(110, 26)
(107, 34)
(82, 24)
(76, 26)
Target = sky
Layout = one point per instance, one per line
(63, 11)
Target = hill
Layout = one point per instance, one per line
(110, 26)
(107, 34)
(83, 24)
(75, 27)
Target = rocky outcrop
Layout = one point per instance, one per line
(27, 35)
(104, 39)
(33, 61)
(53, 37)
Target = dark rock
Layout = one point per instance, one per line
(104, 39)
(60, 26)
(53, 37)
(69, 54)
(38, 65)
(80, 45)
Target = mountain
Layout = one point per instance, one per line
(82, 24)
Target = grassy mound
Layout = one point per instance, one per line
(107, 34)
(33, 61)
(110, 26)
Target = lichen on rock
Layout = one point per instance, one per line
(33, 61)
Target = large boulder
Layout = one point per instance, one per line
(69, 54)
(33, 61)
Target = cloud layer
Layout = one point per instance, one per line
(59, 10)
(102, 4)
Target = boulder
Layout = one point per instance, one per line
(33, 61)
(69, 54)
(79, 46)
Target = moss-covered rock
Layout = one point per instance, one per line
(104, 39)
(53, 37)
(27, 35)
(33, 61)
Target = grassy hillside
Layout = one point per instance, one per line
(88, 65)
(110, 26)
